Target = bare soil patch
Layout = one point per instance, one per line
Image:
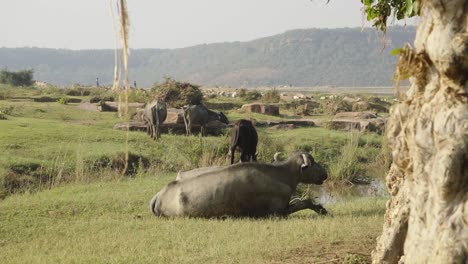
(325, 252)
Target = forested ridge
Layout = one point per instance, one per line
(304, 57)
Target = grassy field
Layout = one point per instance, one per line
(52, 143)
(111, 223)
(63, 198)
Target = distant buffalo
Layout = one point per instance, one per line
(244, 138)
(154, 115)
(201, 115)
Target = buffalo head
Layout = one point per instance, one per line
(311, 172)
(223, 118)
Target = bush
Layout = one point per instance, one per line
(252, 96)
(77, 92)
(242, 92)
(138, 96)
(7, 110)
(20, 177)
(177, 94)
(271, 96)
(345, 166)
(63, 100)
(97, 99)
(20, 78)
(45, 99)
(117, 162)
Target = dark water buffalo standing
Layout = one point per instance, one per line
(243, 189)
(200, 115)
(155, 115)
(244, 138)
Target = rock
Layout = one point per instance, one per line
(283, 126)
(175, 116)
(261, 108)
(113, 106)
(370, 125)
(89, 107)
(355, 115)
(361, 106)
(357, 121)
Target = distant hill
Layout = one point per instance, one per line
(305, 57)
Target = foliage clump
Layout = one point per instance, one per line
(177, 94)
(117, 162)
(251, 95)
(19, 78)
(80, 91)
(20, 177)
(4, 111)
(379, 11)
(271, 96)
(63, 100)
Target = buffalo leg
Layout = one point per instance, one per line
(151, 129)
(244, 156)
(203, 133)
(301, 204)
(233, 151)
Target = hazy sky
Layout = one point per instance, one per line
(87, 24)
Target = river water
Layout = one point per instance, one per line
(327, 194)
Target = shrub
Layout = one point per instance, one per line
(177, 94)
(77, 92)
(334, 105)
(117, 162)
(97, 99)
(252, 96)
(271, 96)
(138, 96)
(345, 166)
(242, 92)
(7, 110)
(45, 99)
(63, 100)
(20, 78)
(20, 177)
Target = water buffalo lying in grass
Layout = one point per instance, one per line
(245, 138)
(199, 171)
(181, 175)
(201, 115)
(243, 189)
(154, 115)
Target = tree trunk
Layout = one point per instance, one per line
(427, 216)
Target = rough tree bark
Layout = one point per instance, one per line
(427, 215)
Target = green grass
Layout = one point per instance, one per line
(66, 142)
(111, 222)
(83, 213)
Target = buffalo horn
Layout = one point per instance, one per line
(306, 161)
(275, 157)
